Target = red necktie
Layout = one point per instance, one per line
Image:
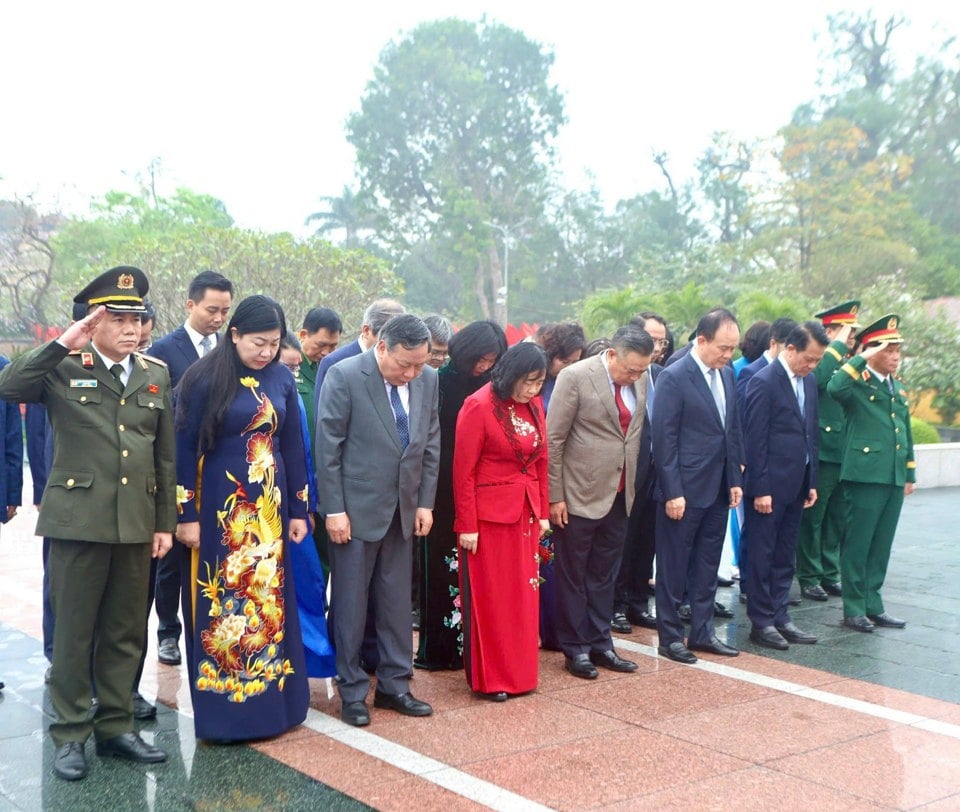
(624, 425)
(625, 415)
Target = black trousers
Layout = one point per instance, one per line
(587, 559)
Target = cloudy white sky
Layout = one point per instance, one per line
(247, 100)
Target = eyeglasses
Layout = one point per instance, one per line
(660, 342)
(294, 368)
(439, 355)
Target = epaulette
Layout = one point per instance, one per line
(150, 358)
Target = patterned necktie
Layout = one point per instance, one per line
(622, 409)
(717, 395)
(649, 397)
(800, 393)
(206, 344)
(117, 371)
(403, 426)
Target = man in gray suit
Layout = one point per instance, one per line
(378, 448)
(594, 426)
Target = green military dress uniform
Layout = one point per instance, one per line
(877, 464)
(823, 525)
(112, 485)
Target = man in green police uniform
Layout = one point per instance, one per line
(109, 505)
(823, 525)
(878, 469)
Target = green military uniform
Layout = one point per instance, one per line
(877, 463)
(111, 486)
(823, 525)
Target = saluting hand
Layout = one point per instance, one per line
(78, 334)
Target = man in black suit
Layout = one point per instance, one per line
(780, 443)
(631, 604)
(209, 297)
(698, 456)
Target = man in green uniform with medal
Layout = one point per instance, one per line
(823, 525)
(878, 469)
(109, 506)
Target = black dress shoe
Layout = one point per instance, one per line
(794, 601)
(493, 696)
(168, 652)
(355, 713)
(769, 637)
(719, 610)
(620, 624)
(677, 652)
(792, 634)
(402, 703)
(643, 618)
(580, 666)
(70, 762)
(610, 659)
(715, 646)
(685, 612)
(131, 747)
(814, 593)
(835, 589)
(889, 621)
(724, 581)
(858, 623)
(142, 709)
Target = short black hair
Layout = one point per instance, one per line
(631, 339)
(407, 330)
(802, 334)
(208, 279)
(151, 314)
(515, 364)
(710, 322)
(597, 346)
(780, 329)
(640, 320)
(475, 340)
(755, 340)
(322, 318)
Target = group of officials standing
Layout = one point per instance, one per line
(633, 448)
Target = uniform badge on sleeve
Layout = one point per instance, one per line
(153, 389)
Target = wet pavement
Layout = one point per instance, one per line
(858, 721)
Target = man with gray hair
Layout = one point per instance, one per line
(441, 331)
(378, 450)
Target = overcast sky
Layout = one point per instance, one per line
(247, 101)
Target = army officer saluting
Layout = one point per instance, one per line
(878, 469)
(109, 505)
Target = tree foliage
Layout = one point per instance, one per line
(454, 133)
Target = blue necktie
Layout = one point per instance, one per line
(403, 426)
(800, 393)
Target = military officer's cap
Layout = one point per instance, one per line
(120, 290)
(886, 328)
(845, 313)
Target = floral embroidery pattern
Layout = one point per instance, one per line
(245, 589)
(455, 619)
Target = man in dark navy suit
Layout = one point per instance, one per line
(698, 456)
(780, 439)
(208, 304)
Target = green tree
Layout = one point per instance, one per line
(455, 133)
(174, 239)
(351, 213)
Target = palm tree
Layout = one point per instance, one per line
(351, 212)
